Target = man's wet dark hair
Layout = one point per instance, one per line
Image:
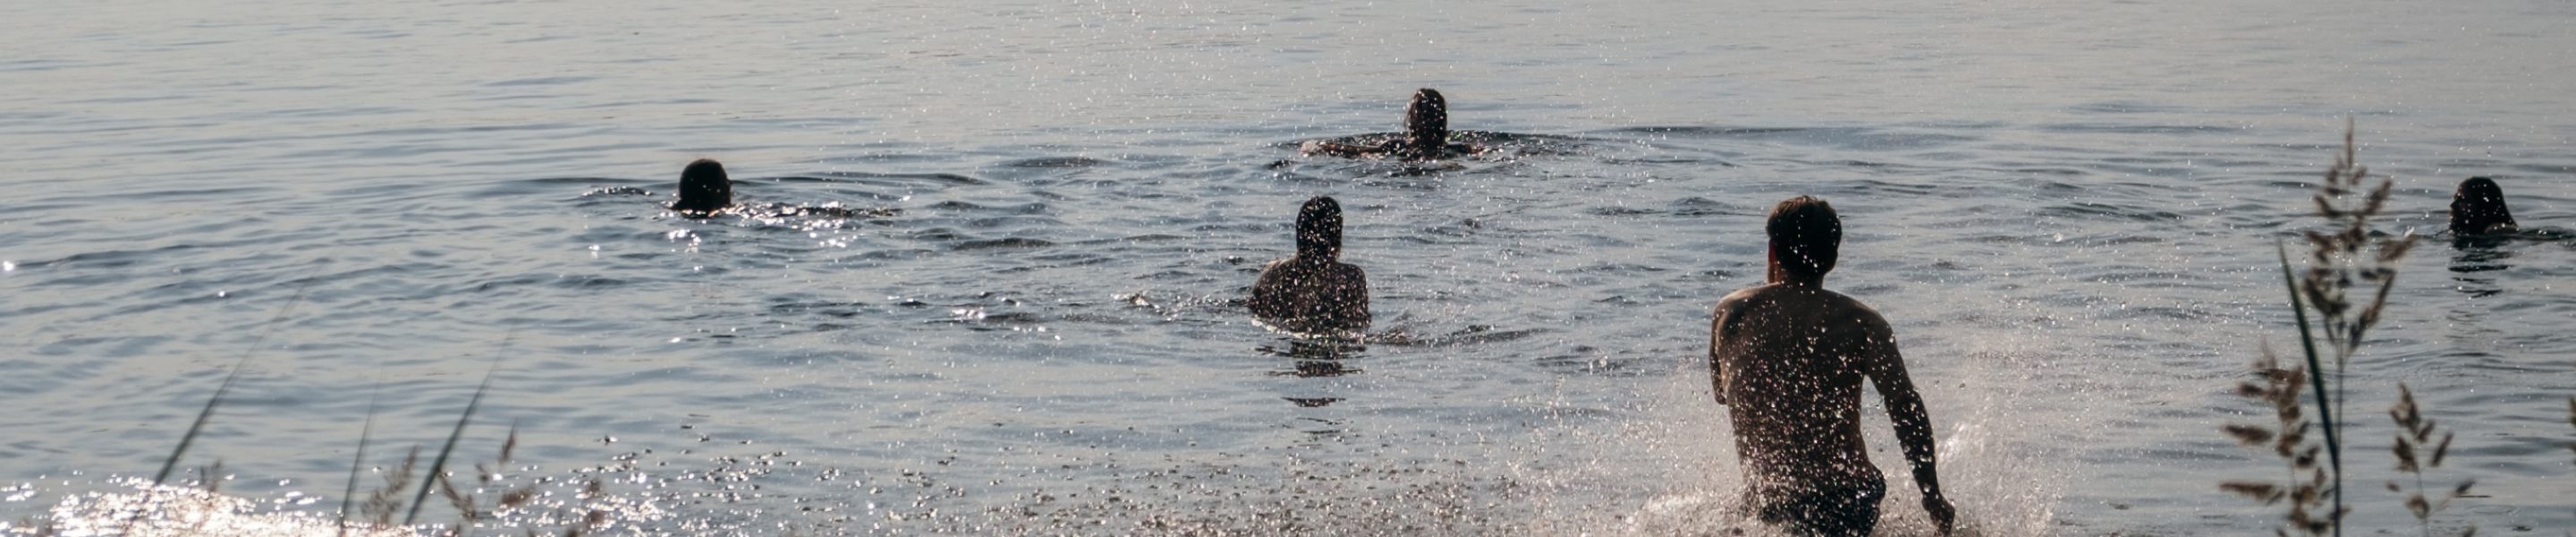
(2478, 207)
(1426, 122)
(704, 187)
(1319, 230)
(1805, 234)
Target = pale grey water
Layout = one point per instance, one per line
(2067, 211)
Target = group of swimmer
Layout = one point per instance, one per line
(1786, 357)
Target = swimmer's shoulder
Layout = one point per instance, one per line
(1737, 301)
(1768, 293)
(1841, 306)
(1276, 266)
(1276, 278)
(1348, 270)
(1830, 303)
(1732, 310)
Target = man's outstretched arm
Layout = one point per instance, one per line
(1913, 423)
(1337, 149)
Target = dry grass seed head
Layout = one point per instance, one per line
(2263, 492)
(384, 502)
(2405, 452)
(518, 497)
(2249, 435)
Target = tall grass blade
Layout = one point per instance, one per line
(438, 466)
(186, 440)
(2316, 383)
(208, 412)
(359, 461)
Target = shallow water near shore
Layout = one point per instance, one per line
(2068, 213)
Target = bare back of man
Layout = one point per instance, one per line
(1313, 292)
(1788, 358)
(1312, 297)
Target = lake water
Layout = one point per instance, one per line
(2067, 210)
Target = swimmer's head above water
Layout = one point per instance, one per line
(1319, 230)
(704, 188)
(1806, 236)
(1426, 123)
(2478, 207)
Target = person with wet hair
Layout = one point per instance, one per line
(1788, 358)
(1314, 292)
(704, 189)
(1426, 134)
(2477, 208)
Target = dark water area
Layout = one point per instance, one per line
(1023, 311)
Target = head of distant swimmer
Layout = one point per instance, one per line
(1426, 121)
(1805, 236)
(704, 188)
(1319, 230)
(2478, 207)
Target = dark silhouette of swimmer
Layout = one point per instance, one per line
(1787, 358)
(704, 188)
(1426, 134)
(2478, 208)
(1314, 292)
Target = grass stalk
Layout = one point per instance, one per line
(358, 462)
(2317, 383)
(2416, 450)
(208, 413)
(438, 465)
(2348, 256)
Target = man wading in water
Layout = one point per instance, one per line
(1788, 358)
(1314, 292)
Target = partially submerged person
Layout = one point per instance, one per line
(1426, 135)
(704, 189)
(1787, 359)
(2478, 208)
(1314, 292)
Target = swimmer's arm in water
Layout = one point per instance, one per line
(1338, 149)
(1886, 368)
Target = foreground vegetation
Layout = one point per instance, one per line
(2350, 270)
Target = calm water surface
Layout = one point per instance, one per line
(2067, 211)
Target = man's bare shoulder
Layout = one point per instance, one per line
(1282, 274)
(1822, 301)
(1737, 300)
(1844, 306)
(1273, 269)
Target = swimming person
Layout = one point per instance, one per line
(1314, 292)
(704, 188)
(1426, 134)
(1787, 358)
(2478, 208)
